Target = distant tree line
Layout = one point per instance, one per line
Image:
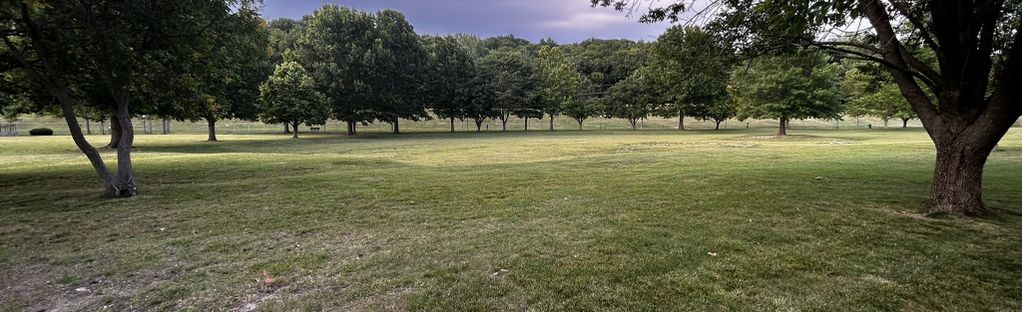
(109, 61)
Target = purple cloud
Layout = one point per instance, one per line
(564, 20)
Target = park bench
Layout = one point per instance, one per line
(314, 129)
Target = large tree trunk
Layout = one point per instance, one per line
(526, 123)
(681, 121)
(294, 134)
(503, 123)
(115, 132)
(783, 129)
(958, 180)
(166, 125)
(904, 123)
(287, 128)
(351, 127)
(551, 122)
(452, 124)
(211, 129)
(479, 124)
(717, 125)
(397, 126)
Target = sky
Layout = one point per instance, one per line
(566, 21)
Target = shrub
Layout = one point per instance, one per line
(41, 131)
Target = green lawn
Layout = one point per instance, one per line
(823, 220)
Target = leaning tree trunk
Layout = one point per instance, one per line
(294, 134)
(211, 129)
(115, 132)
(783, 129)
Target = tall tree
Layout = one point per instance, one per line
(693, 73)
(111, 44)
(450, 73)
(511, 75)
(978, 49)
(786, 87)
(397, 66)
(290, 96)
(632, 99)
(559, 81)
(342, 72)
(587, 103)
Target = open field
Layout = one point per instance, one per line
(823, 220)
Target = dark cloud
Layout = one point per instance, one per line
(563, 20)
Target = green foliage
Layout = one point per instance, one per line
(449, 77)
(290, 96)
(559, 81)
(874, 95)
(334, 46)
(787, 87)
(511, 75)
(398, 64)
(633, 98)
(692, 74)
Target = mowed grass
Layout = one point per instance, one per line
(823, 220)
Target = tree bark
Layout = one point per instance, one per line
(885, 119)
(397, 126)
(452, 124)
(287, 128)
(351, 127)
(526, 123)
(783, 129)
(88, 127)
(632, 122)
(211, 129)
(124, 185)
(551, 122)
(166, 125)
(580, 120)
(479, 124)
(681, 121)
(717, 126)
(294, 134)
(904, 123)
(957, 180)
(503, 124)
(115, 132)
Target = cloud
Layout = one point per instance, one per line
(564, 20)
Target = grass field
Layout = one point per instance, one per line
(823, 220)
